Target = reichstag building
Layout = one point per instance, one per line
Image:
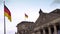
(47, 23)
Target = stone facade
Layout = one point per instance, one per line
(47, 23)
(25, 27)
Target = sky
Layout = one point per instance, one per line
(19, 7)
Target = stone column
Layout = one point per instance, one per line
(44, 31)
(49, 30)
(55, 29)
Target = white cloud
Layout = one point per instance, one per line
(56, 2)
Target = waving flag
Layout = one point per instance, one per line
(26, 16)
(7, 12)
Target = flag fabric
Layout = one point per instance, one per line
(26, 16)
(7, 13)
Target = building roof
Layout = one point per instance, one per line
(47, 17)
(56, 11)
(24, 22)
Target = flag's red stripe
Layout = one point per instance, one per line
(7, 10)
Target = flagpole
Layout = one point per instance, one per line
(4, 23)
(4, 26)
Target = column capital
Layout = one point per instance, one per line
(33, 33)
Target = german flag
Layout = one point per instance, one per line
(7, 13)
(26, 16)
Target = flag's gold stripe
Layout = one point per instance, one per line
(7, 15)
(26, 16)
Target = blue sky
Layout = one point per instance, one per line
(19, 7)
